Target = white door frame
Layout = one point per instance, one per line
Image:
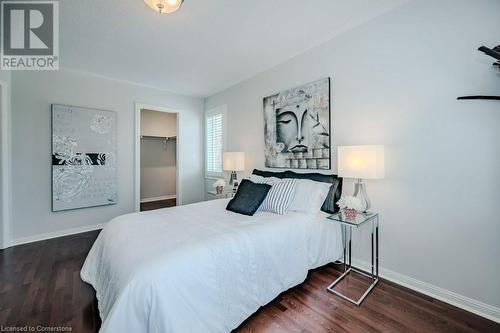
(138, 108)
(5, 153)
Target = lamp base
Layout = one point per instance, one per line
(360, 193)
(233, 179)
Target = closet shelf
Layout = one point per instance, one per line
(152, 137)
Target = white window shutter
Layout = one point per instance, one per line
(214, 129)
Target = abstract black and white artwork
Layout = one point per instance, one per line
(84, 170)
(297, 127)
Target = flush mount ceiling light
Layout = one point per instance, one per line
(164, 6)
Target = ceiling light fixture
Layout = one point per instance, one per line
(164, 6)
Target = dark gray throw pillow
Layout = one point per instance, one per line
(248, 198)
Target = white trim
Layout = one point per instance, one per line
(56, 234)
(137, 138)
(165, 197)
(5, 154)
(447, 296)
(218, 109)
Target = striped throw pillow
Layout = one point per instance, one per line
(280, 195)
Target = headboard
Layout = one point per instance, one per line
(334, 194)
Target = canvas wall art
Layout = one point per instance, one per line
(297, 127)
(84, 163)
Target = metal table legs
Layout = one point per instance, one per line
(348, 268)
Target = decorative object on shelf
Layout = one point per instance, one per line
(83, 157)
(350, 206)
(361, 162)
(297, 127)
(350, 213)
(234, 162)
(494, 53)
(219, 185)
(164, 6)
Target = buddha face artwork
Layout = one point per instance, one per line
(297, 127)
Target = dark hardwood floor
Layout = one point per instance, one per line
(158, 204)
(40, 285)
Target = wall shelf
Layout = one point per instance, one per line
(494, 53)
(492, 98)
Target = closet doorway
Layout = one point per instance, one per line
(158, 158)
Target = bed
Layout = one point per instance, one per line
(201, 268)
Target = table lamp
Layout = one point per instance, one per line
(361, 162)
(234, 161)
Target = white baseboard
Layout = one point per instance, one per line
(450, 297)
(166, 197)
(55, 234)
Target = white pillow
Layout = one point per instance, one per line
(280, 195)
(309, 196)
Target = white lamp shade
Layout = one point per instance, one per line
(234, 161)
(365, 162)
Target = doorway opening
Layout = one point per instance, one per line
(158, 158)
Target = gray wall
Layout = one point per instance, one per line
(395, 81)
(158, 169)
(33, 93)
(5, 76)
(157, 123)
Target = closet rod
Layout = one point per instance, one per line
(152, 137)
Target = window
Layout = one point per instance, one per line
(215, 121)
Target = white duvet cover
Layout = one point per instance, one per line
(199, 268)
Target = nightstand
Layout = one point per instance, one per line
(213, 195)
(347, 226)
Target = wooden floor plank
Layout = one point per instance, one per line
(40, 285)
(152, 205)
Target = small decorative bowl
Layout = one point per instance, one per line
(350, 213)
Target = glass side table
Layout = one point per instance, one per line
(347, 226)
(212, 195)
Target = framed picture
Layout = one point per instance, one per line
(84, 170)
(297, 127)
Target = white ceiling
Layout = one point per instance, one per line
(207, 46)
